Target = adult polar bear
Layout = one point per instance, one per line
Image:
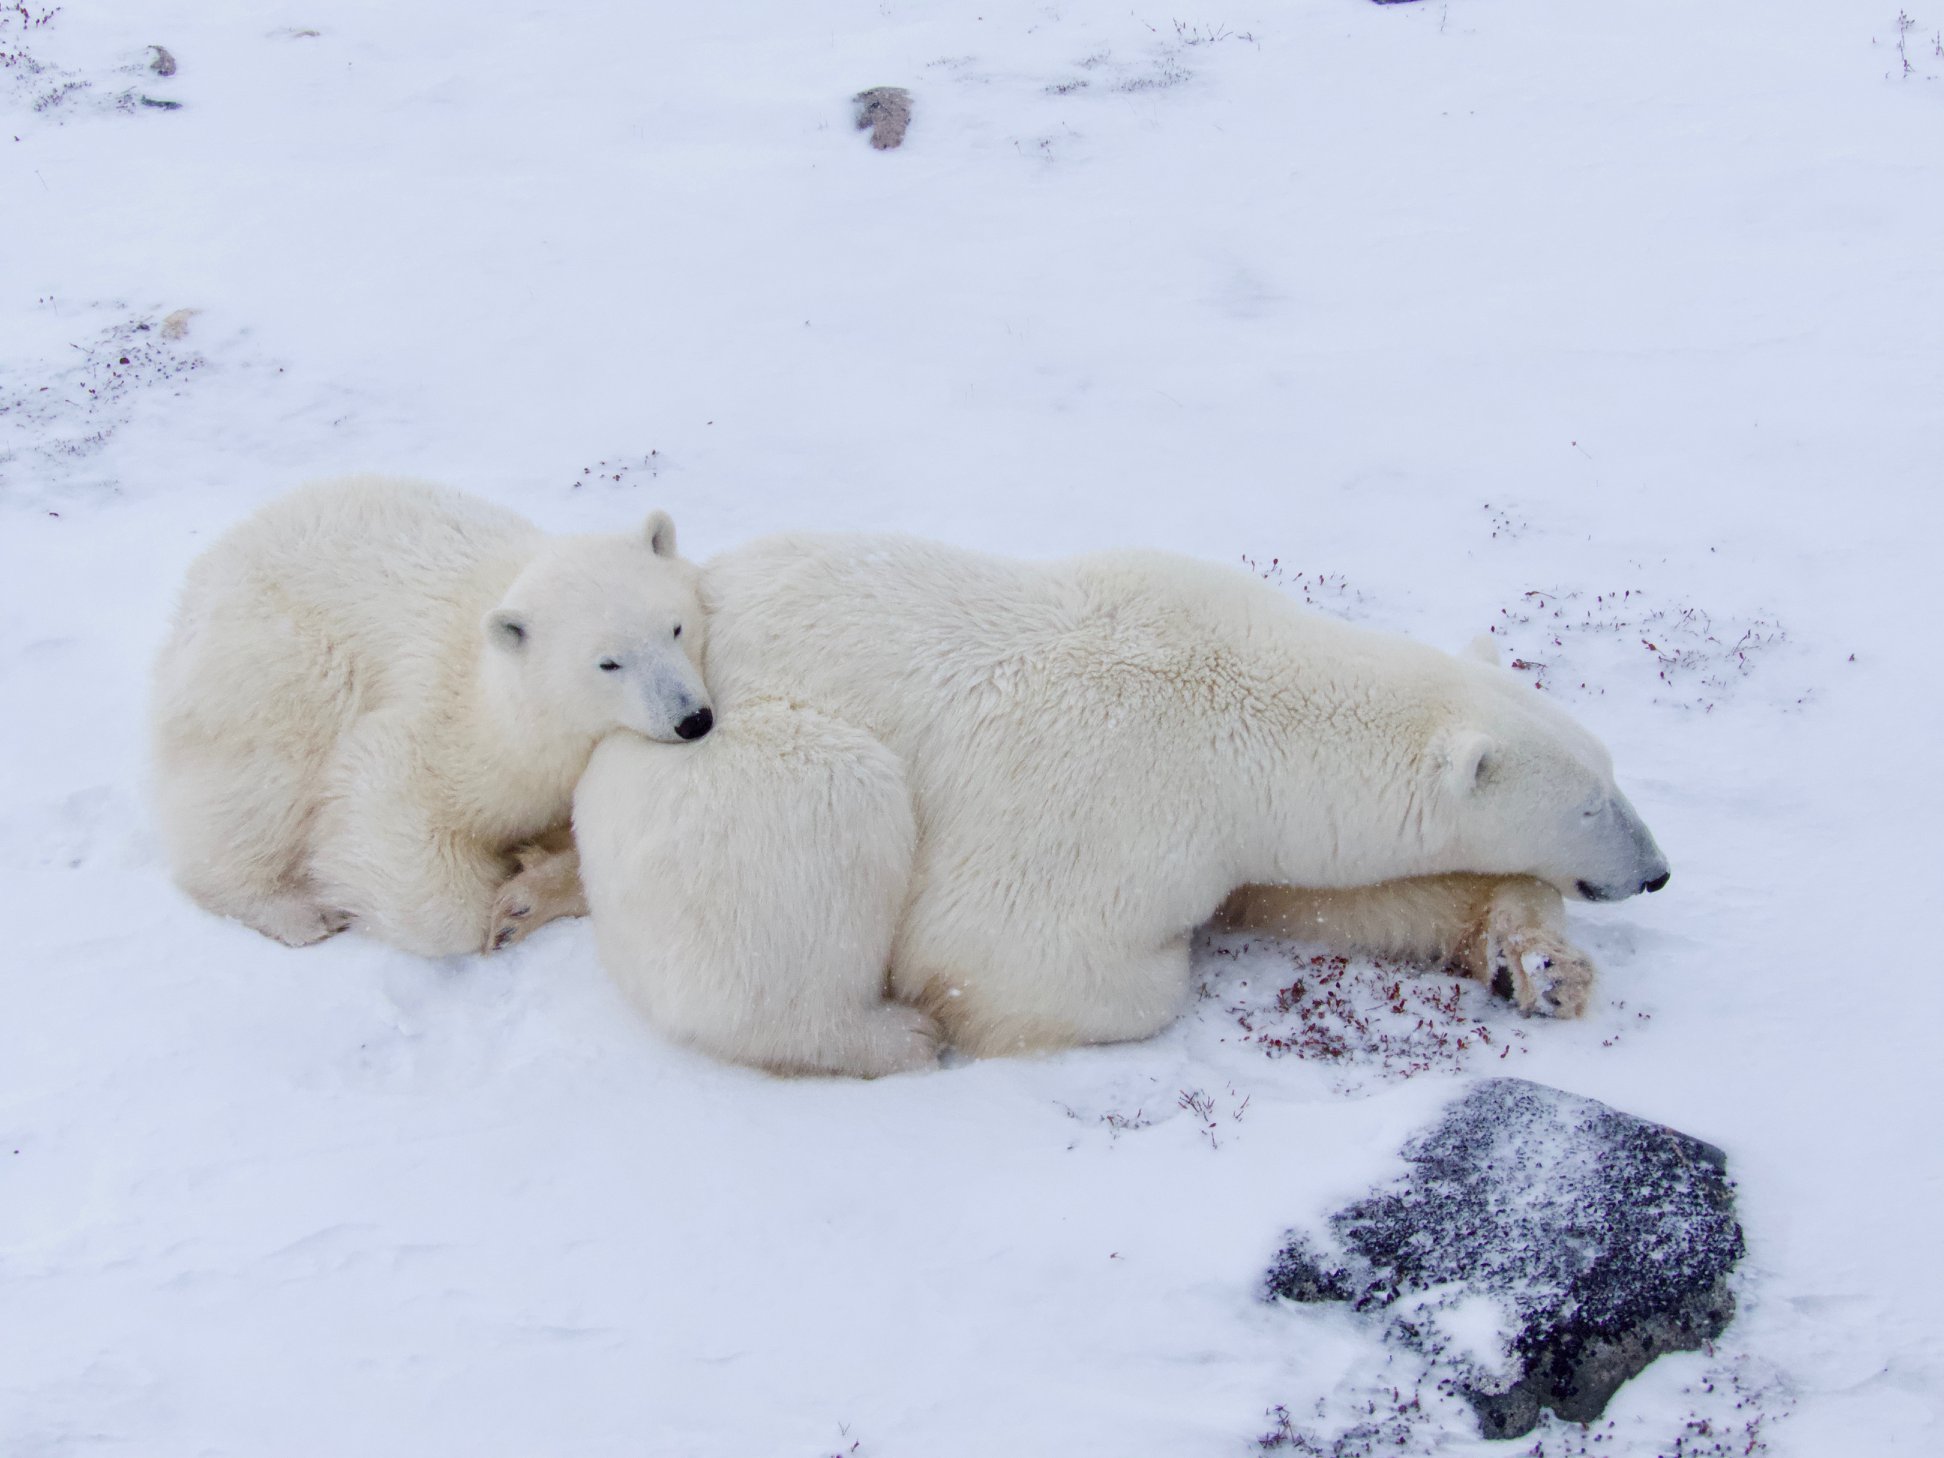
(1063, 769)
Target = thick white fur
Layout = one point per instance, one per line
(762, 937)
(375, 689)
(1099, 751)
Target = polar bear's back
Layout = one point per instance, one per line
(383, 568)
(923, 644)
(326, 603)
(877, 630)
(367, 576)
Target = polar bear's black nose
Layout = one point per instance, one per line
(1658, 882)
(697, 724)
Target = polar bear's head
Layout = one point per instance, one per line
(1529, 792)
(605, 632)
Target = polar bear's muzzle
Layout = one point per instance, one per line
(1590, 892)
(1645, 868)
(672, 704)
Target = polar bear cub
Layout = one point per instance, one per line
(376, 690)
(763, 938)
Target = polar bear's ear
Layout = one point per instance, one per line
(659, 533)
(1468, 760)
(1485, 649)
(506, 629)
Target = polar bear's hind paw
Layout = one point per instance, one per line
(899, 1039)
(296, 922)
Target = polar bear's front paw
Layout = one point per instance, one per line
(1545, 975)
(512, 914)
(547, 886)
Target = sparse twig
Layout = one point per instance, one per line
(1200, 35)
(1906, 23)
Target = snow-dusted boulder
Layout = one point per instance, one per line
(1541, 1249)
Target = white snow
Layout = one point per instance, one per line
(1600, 326)
(1474, 1329)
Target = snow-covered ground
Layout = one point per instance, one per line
(1618, 328)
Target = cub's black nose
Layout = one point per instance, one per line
(1658, 882)
(703, 720)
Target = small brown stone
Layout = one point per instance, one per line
(886, 110)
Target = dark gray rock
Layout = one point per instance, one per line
(1542, 1249)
